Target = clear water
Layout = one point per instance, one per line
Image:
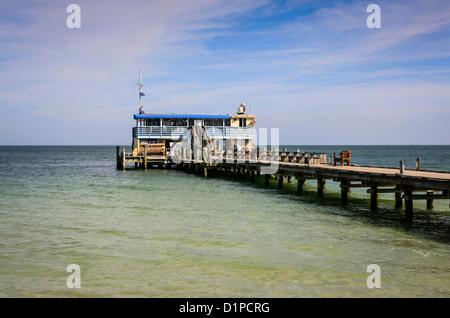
(166, 233)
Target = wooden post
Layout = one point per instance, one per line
(409, 204)
(300, 183)
(430, 201)
(205, 171)
(123, 158)
(398, 198)
(418, 164)
(373, 197)
(145, 158)
(402, 167)
(118, 157)
(266, 179)
(252, 176)
(344, 192)
(280, 181)
(320, 186)
(289, 179)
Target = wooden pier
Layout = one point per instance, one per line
(407, 185)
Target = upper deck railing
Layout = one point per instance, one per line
(178, 132)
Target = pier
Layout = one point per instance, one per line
(227, 142)
(406, 185)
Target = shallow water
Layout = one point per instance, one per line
(166, 233)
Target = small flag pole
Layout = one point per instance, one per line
(140, 87)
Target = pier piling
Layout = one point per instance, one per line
(408, 204)
(430, 200)
(300, 183)
(118, 161)
(398, 198)
(320, 187)
(344, 192)
(266, 179)
(280, 181)
(374, 197)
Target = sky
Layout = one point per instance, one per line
(312, 68)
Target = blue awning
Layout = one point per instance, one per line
(182, 116)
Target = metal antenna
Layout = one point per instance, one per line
(140, 87)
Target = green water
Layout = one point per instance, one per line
(166, 233)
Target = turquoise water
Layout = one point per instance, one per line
(166, 233)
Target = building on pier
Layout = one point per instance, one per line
(156, 133)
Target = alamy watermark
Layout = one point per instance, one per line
(74, 19)
(226, 144)
(74, 279)
(374, 279)
(374, 20)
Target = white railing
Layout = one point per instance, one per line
(177, 132)
(217, 132)
(162, 132)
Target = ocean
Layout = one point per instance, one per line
(167, 233)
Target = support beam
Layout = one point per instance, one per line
(123, 158)
(398, 198)
(280, 181)
(300, 183)
(374, 197)
(428, 197)
(320, 186)
(205, 171)
(385, 190)
(355, 185)
(409, 204)
(145, 158)
(118, 157)
(344, 192)
(266, 179)
(252, 176)
(429, 201)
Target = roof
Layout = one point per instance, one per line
(184, 116)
